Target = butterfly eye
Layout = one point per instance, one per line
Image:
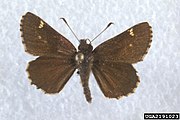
(88, 41)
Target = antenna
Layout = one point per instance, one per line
(70, 28)
(102, 31)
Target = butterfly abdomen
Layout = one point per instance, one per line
(86, 89)
(84, 70)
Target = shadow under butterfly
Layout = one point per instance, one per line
(110, 62)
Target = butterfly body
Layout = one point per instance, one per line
(84, 60)
(110, 62)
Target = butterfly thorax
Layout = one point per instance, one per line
(84, 53)
(84, 61)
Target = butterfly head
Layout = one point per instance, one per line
(85, 45)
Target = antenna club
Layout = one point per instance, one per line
(111, 23)
(102, 31)
(64, 20)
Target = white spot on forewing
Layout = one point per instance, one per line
(41, 25)
(130, 45)
(131, 33)
(39, 37)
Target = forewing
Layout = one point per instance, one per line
(40, 39)
(50, 73)
(115, 79)
(128, 47)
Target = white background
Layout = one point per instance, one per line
(159, 73)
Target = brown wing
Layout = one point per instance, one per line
(127, 47)
(115, 79)
(50, 73)
(40, 39)
(55, 65)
